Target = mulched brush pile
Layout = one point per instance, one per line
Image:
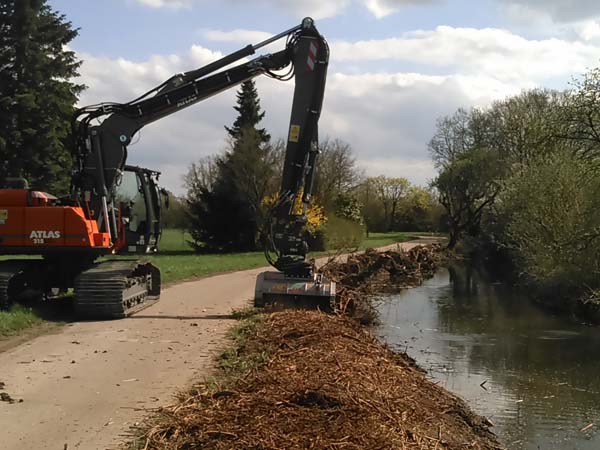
(327, 384)
(364, 275)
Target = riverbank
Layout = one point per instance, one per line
(305, 379)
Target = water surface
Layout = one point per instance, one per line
(535, 375)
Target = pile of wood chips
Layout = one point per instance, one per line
(328, 384)
(363, 275)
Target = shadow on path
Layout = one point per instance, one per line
(183, 317)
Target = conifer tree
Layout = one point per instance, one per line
(250, 114)
(227, 216)
(37, 94)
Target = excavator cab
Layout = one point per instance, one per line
(138, 199)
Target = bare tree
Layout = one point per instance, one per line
(336, 171)
(453, 137)
(390, 192)
(201, 176)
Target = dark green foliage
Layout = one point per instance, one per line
(467, 187)
(37, 97)
(226, 205)
(248, 107)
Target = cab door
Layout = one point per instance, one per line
(138, 200)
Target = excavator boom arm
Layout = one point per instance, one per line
(104, 131)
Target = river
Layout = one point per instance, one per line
(535, 375)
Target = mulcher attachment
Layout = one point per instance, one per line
(115, 289)
(275, 289)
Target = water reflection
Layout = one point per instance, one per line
(535, 375)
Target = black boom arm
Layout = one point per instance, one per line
(104, 131)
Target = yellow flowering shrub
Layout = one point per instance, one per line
(315, 216)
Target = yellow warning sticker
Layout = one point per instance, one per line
(3, 216)
(294, 133)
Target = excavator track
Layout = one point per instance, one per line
(116, 289)
(8, 270)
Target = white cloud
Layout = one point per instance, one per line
(392, 115)
(588, 30)
(486, 52)
(387, 117)
(238, 35)
(171, 4)
(122, 80)
(558, 11)
(318, 9)
(383, 8)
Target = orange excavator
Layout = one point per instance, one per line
(115, 208)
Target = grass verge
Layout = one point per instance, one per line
(18, 318)
(178, 262)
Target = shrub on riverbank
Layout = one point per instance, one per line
(520, 180)
(551, 218)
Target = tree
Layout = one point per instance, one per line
(389, 191)
(348, 207)
(466, 188)
(552, 218)
(249, 113)
(581, 116)
(452, 138)
(522, 128)
(226, 194)
(37, 96)
(201, 175)
(336, 172)
(417, 210)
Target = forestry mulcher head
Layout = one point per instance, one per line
(278, 291)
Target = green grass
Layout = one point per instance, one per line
(173, 240)
(180, 267)
(17, 319)
(179, 262)
(234, 361)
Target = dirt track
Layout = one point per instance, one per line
(86, 385)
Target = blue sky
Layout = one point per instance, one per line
(396, 66)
